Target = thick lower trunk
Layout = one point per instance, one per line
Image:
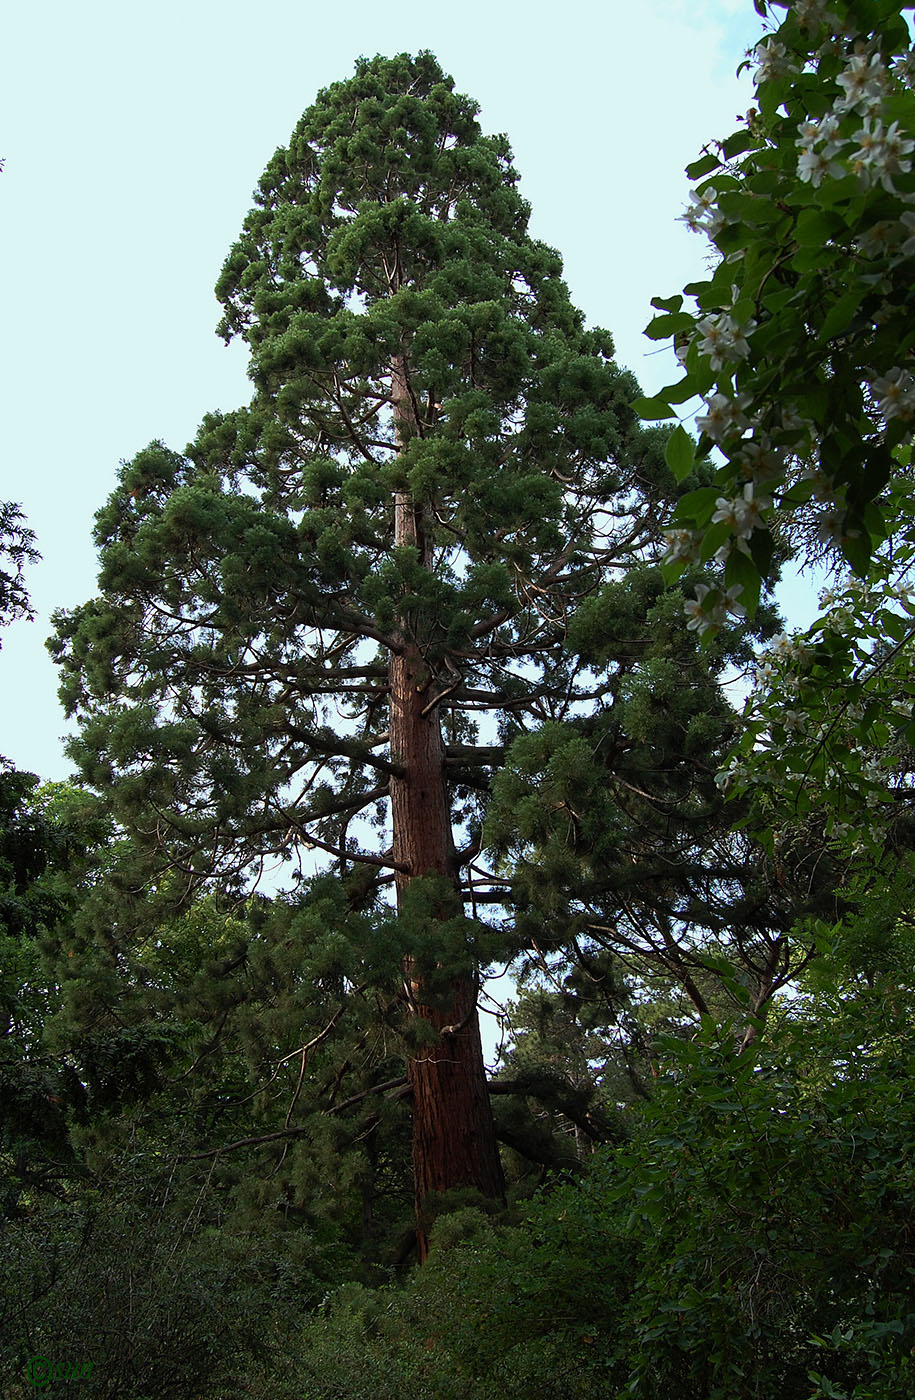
(454, 1140)
(453, 1134)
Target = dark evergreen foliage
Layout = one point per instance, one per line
(412, 588)
(318, 630)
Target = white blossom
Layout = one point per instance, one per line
(699, 620)
(881, 239)
(841, 619)
(744, 513)
(908, 223)
(831, 526)
(723, 340)
(883, 152)
(773, 61)
(808, 130)
(895, 394)
(783, 646)
(730, 774)
(811, 13)
(791, 421)
(813, 133)
(701, 215)
(730, 600)
(702, 618)
(815, 166)
(904, 67)
(733, 544)
(724, 417)
(862, 82)
(760, 461)
(683, 545)
(896, 149)
(823, 486)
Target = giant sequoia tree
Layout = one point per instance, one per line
(317, 630)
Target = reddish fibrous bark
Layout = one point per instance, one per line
(454, 1141)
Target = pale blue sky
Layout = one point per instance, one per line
(133, 137)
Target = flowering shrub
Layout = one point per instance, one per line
(829, 726)
(802, 342)
(801, 346)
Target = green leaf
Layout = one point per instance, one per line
(836, 192)
(775, 301)
(857, 550)
(817, 226)
(741, 569)
(738, 142)
(842, 313)
(702, 166)
(900, 107)
(811, 257)
(742, 311)
(696, 505)
(663, 327)
(751, 208)
(771, 95)
(715, 536)
(668, 303)
(875, 520)
(671, 571)
(653, 409)
(762, 550)
(696, 289)
(766, 182)
(733, 238)
(682, 392)
(894, 626)
(679, 453)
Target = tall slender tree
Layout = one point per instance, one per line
(318, 629)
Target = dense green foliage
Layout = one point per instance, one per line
(409, 342)
(800, 345)
(752, 1239)
(800, 340)
(438, 489)
(705, 1102)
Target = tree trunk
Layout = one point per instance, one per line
(454, 1141)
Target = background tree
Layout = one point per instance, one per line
(325, 621)
(17, 548)
(614, 832)
(35, 852)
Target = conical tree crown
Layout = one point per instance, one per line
(413, 349)
(390, 229)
